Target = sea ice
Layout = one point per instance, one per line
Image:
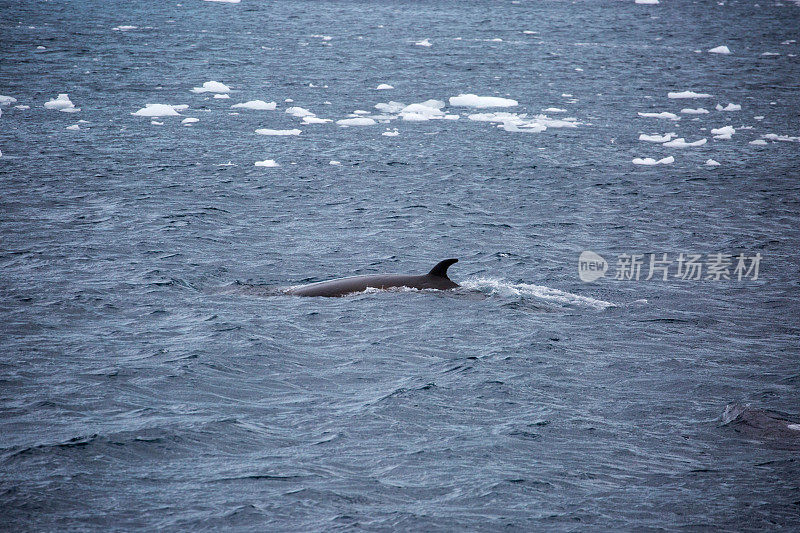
(687, 94)
(729, 107)
(62, 103)
(299, 112)
(312, 119)
(759, 142)
(259, 105)
(651, 161)
(656, 138)
(723, 133)
(124, 28)
(783, 138)
(267, 163)
(665, 114)
(360, 121)
(383, 87)
(720, 50)
(473, 100)
(423, 42)
(157, 110)
(267, 131)
(74, 127)
(212, 86)
(680, 142)
(646, 2)
(690, 111)
(190, 120)
(6, 100)
(712, 163)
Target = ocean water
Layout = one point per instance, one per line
(153, 376)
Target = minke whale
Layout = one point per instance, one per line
(435, 279)
(770, 427)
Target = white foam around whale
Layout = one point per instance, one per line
(504, 288)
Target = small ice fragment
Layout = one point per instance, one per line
(729, 107)
(259, 105)
(335, 163)
(690, 111)
(720, 50)
(22, 107)
(157, 110)
(665, 114)
(62, 103)
(6, 100)
(650, 161)
(555, 110)
(793, 427)
(156, 123)
(222, 96)
(311, 119)
(680, 142)
(74, 127)
(360, 112)
(423, 42)
(267, 131)
(759, 142)
(687, 94)
(723, 133)
(299, 112)
(225, 1)
(783, 138)
(212, 87)
(383, 87)
(473, 100)
(712, 163)
(190, 120)
(656, 138)
(124, 28)
(266, 163)
(360, 121)
(646, 2)
(393, 133)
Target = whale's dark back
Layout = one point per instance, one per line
(435, 279)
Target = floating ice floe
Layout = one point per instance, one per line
(258, 105)
(729, 107)
(190, 120)
(680, 142)
(299, 112)
(267, 131)
(7, 100)
(759, 142)
(74, 127)
(687, 94)
(225, 1)
(212, 86)
(222, 96)
(156, 123)
(650, 161)
(656, 138)
(423, 42)
(664, 114)
(712, 163)
(724, 133)
(390, 107)
(720, 50)
(430, 109)
(770, 54)
(646, 2)
(159, 110)
(516, 122)
(359, 121)
(335, 163)
(480, 102)
(62, 103)
(125, 28)
(391, 133)
(266, 163)
(313, 119)
(383, 87)
(22, 107)
(782, 138)
(554, 110)
(690, 111)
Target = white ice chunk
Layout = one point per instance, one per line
(646, 2)
(312, 119)
(393, 133)
(259, 105)
(74, 127)
(390, 107)
(720, 50)
(723, 133)
(335, 163)
(124, 28)
(690, 111)
(759, 142)
(473, 100)
(157, 110)
(212, 87)
(680, 142)
(656, 138)
(267, 131)
(299, 112)
(712, 163)
(687, 94)
(383, 87)
(190, 120)
(665, 114)
(423, 42)
(6, 100)
(782, 138)
(650, 161)
(359, 121)
(267, 163)
(729, 107)
(62, 103)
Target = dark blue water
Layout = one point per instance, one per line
(152, 376)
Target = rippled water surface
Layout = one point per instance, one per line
(153, 376)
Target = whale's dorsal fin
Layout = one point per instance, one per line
(441, 268)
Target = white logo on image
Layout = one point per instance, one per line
(591, 266)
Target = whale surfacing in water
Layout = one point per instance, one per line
(435, 279)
